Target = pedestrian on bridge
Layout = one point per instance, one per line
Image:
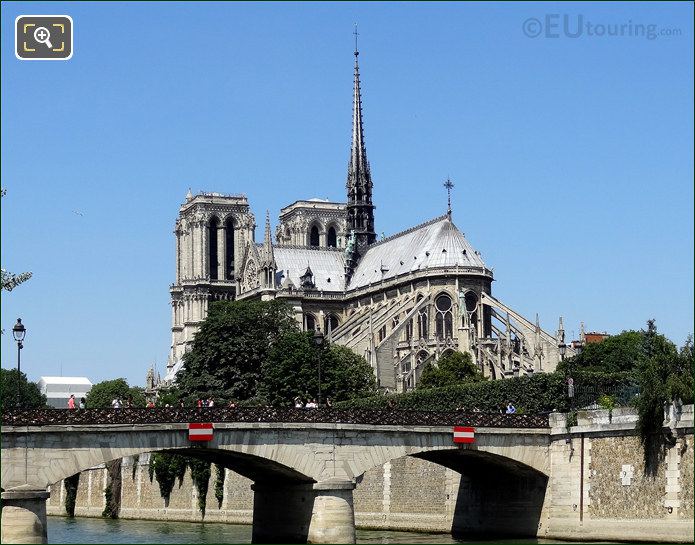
(83, 403)
(71, 401)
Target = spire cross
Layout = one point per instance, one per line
(449, 186)
(356, 34)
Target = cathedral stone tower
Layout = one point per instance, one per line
(211, 232)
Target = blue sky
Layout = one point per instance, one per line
(572, 157)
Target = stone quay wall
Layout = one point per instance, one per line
(597, 489)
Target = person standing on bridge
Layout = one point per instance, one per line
(71, 401)
(83, 403)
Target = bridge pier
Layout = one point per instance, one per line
(24, 516)
(320, 512)
(333, 515)
(281, 512)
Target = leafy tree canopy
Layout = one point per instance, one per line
(451, 369)
(30, 395)
(291, 370)
(614, 354)
(253, 352)
(665, 376)
(170, 396)
(230, 348)
(8, 280)
(102, 394)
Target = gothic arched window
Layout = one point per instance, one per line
(330, 323)
(422, 323)
(444, 316)
(229, 248)
(314, 236)
(471, 300)
(408, 327)
(212, 248)
(332, 238)
(310, 322)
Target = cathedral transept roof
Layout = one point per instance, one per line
(327, 266)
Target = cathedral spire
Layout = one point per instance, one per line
(267, 228)
(268, 254)
(359, 180)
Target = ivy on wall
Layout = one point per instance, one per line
(219, 484)
(112, 493)
(168, 468)
(136, 461)
(71, 484)
(200, 475)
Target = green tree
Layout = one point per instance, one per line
(347, 375)
(8, 280)
(171, 396)
(103, 393)
(451, 369)
(229, 349)
(614, 354)
(665, 376)
(291, 369)
(29, 393)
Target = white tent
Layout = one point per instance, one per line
(58, 389)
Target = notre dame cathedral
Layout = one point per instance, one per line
(401, 302)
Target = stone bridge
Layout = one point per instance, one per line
(304, 464)
(529, 475)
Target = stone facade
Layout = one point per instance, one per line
(685, 478)
(598, 489)
(617, 482)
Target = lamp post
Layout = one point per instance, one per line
(562, 347)
(318, 340)
(19, 332)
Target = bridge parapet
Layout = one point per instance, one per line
(373, 417)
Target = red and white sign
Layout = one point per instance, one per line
(464, 435)
(200, 431)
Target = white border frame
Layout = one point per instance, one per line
(72, 39)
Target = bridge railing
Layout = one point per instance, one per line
(375, 417)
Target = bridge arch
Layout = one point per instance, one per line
(492, 495)
(520, 450)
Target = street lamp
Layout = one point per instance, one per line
(318, 340)
(562, 347)
(19, 332)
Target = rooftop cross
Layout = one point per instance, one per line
(449, 186)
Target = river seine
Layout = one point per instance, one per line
(93, 530)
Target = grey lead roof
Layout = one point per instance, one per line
(401, 253)
(437, 243)
(325, 264)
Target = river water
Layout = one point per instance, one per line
(97, 530)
